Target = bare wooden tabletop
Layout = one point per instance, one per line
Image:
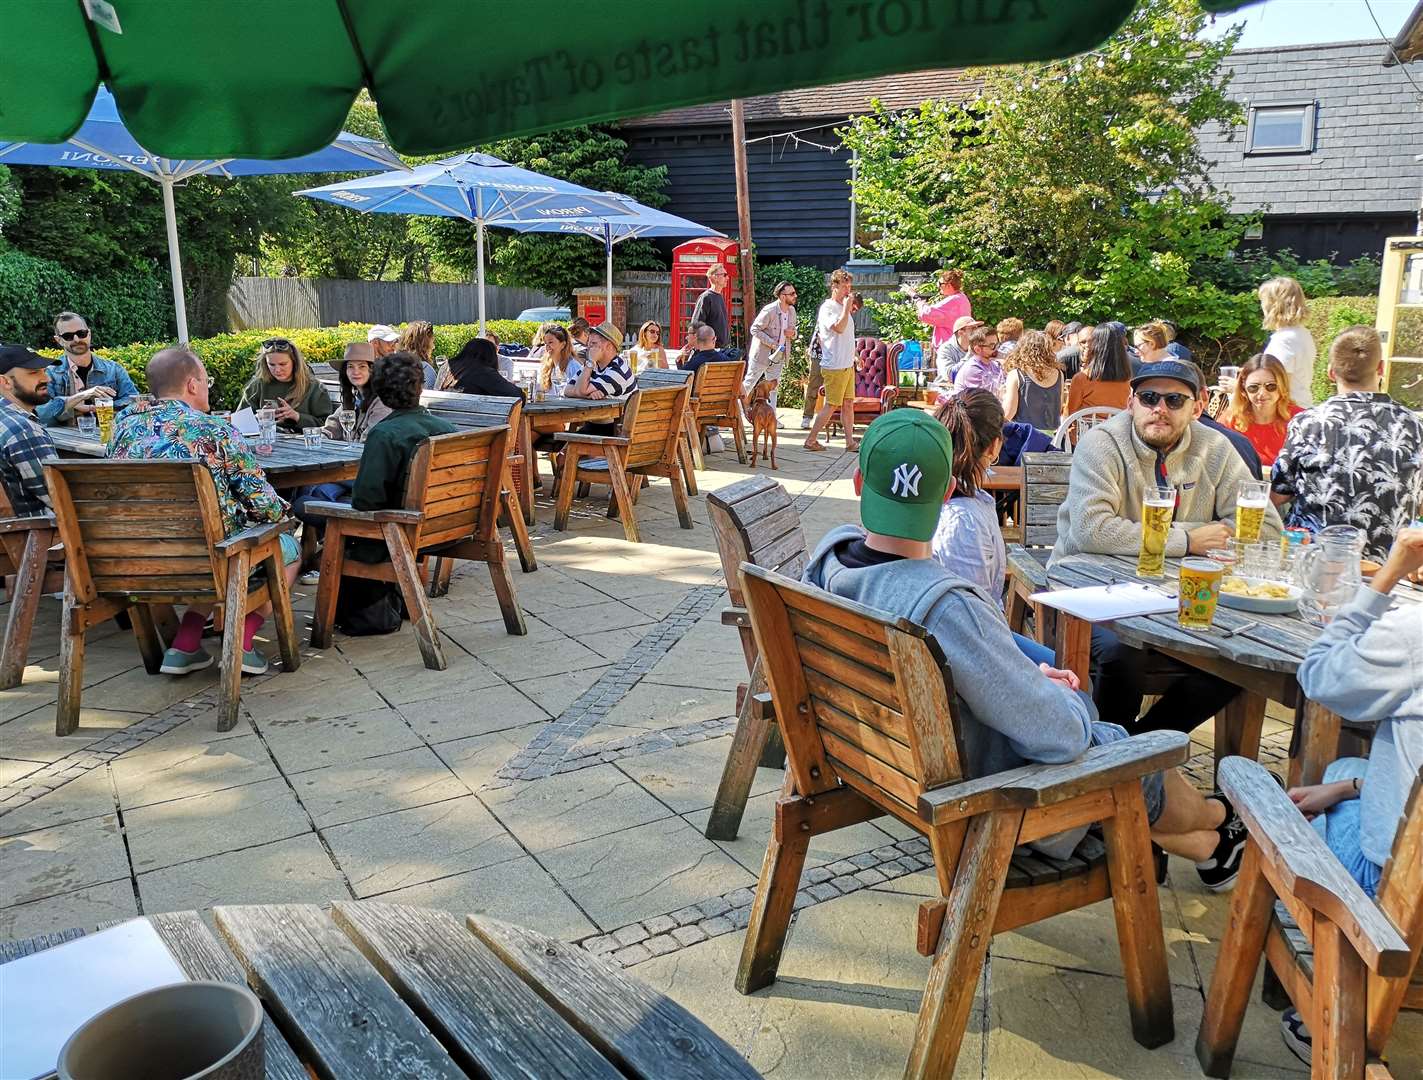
(364, 989)
(290, 455)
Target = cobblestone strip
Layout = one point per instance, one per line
(639, 941)
(100, 752)
(583, 757)
(544, 753)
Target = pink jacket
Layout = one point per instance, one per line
(942, 315)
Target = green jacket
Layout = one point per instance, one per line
(312, 409)
(385, 462)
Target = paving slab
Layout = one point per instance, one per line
(611, 644)
(554, 693)
(460, 715)
(679, 776)
(85, 908)
(341, 793)
(409, 847)
(90, 796)
(567, 809)
(702, 979)
(31, 735)
(322, 687)
(609, 615)
(61, 859)
(476, 760)
(176, 769)
(183, 830)
(518, 891)
(404, 677)
(749, 847)
(12, 769)
(296, 870)
(300, 743)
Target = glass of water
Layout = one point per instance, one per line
(266, 436)
(312, 437)
(89, 425)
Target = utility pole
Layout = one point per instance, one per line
(743, 216)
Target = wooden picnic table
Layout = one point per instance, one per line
(363, 989)
(1262, 657)
(289, 465)
(555, 413)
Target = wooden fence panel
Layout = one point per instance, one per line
(260, 302)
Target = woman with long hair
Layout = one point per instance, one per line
(557, 367)
(1283, 311)
(418, 337)
(1054, 330)
(355, 370)
(1261, 408)
(281, 374)
(1104, 380)
(475, 370)
(648, 352)
(1032, 389)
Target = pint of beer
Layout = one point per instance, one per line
(104, 413)
(1157, 507)
(1200, 589)
(1250, 503)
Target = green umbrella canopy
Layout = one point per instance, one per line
(275, 78)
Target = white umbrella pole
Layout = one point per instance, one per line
(175, 263)
(479, 270)
(608, 239)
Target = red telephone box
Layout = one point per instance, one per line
(690, 262)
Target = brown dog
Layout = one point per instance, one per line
(763, 420)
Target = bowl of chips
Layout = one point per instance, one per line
(1260, 595)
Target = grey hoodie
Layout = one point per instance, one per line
(1039, 721)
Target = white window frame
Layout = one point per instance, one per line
(1306, 143)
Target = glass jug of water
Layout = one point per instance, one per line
(1328, 572)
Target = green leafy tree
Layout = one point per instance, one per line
(555, 263)
(1067, 189)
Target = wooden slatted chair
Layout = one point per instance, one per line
(31, 565)
(868, 714)
(1347, 962)
(651, 379)
(452, 498)
(716, 402)
(1043, 491)
(140, 534)
(646, 445)
(755, 522)
(470, 412)
(327, 377)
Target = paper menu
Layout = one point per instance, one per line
(1102, 603)
(45, 997)
(245, 421)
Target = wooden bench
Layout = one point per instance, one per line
(31, 565)
(646, 445)
(869, 717)
(471, 412)
(452, 497)
(754, 522)
(143, 533)
(653, 378)
(1348, 963)
(1043, 491)
(716, 401)
(327, 376)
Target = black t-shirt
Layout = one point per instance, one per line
(856, 555)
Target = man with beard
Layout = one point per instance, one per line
(80, 376)
(24, 444)
(1152, 443)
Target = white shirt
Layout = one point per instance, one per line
(837, 350)
(1293, 347)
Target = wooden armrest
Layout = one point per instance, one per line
(346, 513)
(1308, 869)
(247, 539)
(590, 440)
(736, 616)
(1022, 563)
(1033, 786)
(25, 524)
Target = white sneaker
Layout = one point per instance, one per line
(715, 444)
(805, 423)
(310, 577)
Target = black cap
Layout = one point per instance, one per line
(18, 356)
(1168, 369)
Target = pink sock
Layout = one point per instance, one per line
(190, 632)
(249, 630)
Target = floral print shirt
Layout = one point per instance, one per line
(172, 429)
(1353, 460)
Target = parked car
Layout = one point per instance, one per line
(545, 314)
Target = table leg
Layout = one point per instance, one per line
(1314, 745)
(1074, 646)
(1237, 727)
(531, 469)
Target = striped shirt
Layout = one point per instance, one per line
(24, 444)
(615, 380)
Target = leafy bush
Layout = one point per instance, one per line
(133, 306)
(1246, 269)
(1328, 316)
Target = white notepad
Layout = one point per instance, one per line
(45, 997)
(245, 421)
(1101, 603)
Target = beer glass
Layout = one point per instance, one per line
(1250, 503)
(104, 413)
(1199, 591)
(1157, 507)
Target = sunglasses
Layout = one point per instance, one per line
(1267, 387)
(70, 335)
(277, 344)
(1153, 398)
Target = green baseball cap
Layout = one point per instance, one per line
(906, 464)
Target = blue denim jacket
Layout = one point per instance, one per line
(101, 373)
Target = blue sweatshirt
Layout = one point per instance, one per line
(1367, 666)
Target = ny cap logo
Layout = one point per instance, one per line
(906, 481)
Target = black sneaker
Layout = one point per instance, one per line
(1296, 1035)
(1218, 873)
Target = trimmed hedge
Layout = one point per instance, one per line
(1329, 315)
(134, 306)
(231, 359)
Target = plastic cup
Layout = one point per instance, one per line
(89, 425)
(1199, 592)
(266, 436)
(1157, 508)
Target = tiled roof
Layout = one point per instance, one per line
(836, 101)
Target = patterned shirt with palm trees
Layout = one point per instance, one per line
(1353, 460)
